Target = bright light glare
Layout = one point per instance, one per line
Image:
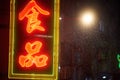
(104, 77)
(87, 18)
(60, 18)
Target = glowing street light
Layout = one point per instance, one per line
(87, 18)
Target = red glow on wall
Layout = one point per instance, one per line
(31, 57)
(31, 11)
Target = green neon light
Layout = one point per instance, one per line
(118, 58)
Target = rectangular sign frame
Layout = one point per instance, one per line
(13, 75)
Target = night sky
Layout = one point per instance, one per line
(108, 11)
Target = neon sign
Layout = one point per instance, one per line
(34, 39)
(118, 58)
(33, 23)
(29, 59)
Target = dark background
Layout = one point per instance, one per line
(4, 40)
(109, 14)
(90, 53)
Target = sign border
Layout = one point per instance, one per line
(11, 74)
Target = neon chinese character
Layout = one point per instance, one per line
(31, 11)
(31, 58)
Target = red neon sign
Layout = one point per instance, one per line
(34, 39)
(30, 58)
(31, 11)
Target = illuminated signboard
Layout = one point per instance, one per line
(118, 59)
(34, 39)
